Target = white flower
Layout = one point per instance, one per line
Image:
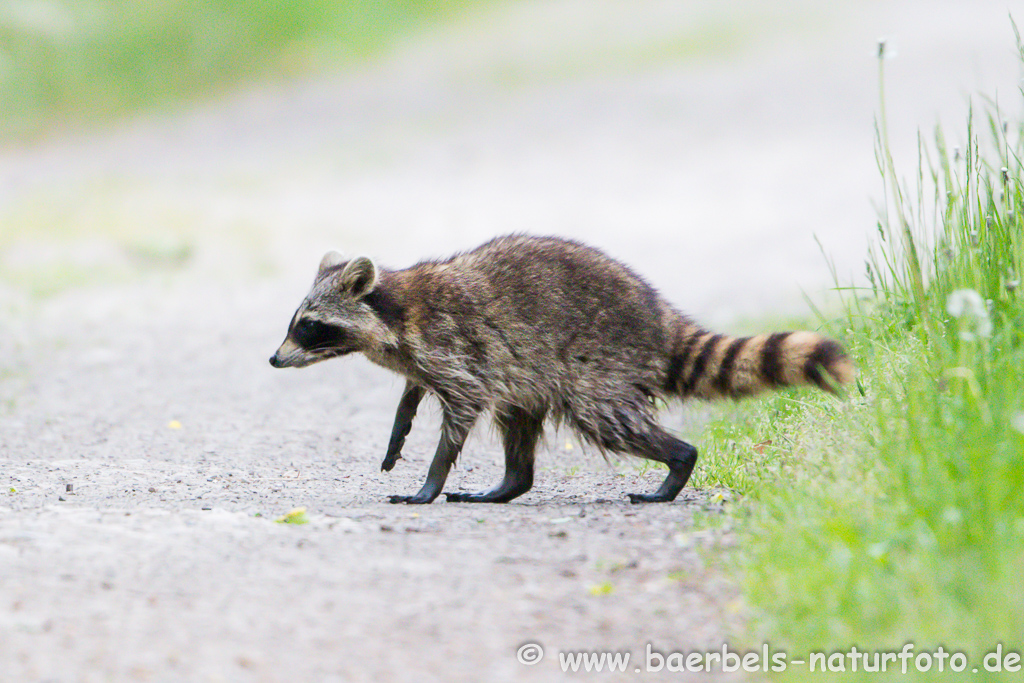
(967, 306)
(965, 302)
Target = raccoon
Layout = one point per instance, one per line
(538, 328)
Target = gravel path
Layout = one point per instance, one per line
(702, 145)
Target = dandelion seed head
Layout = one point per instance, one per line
(965, 302)
(967, 306)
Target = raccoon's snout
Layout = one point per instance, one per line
(279, 361)
(287, 356)
(292, 360)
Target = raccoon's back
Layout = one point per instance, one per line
(544, 316)
(570, 298)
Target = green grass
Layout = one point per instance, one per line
(898, 515)
(68, 61)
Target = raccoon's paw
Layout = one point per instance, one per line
(482, 497)
(389, 462)
(411, 500)
(637, 498)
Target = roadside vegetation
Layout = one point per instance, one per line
(67, 62)
(896, 515)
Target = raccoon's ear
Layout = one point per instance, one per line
(330, 259)
(359, 277)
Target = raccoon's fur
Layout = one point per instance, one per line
(539, 327)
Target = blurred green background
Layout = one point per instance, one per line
(91, 60)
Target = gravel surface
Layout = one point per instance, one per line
(147, 446)
(164, 563)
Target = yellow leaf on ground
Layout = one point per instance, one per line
(296, 516)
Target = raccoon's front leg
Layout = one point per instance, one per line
(411, 398)
(453, 436)
(520, 430)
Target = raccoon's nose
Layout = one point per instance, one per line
(274, 361)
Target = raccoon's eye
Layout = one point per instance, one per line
(307, 332)
(313, 334)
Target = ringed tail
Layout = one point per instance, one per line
(709, 365)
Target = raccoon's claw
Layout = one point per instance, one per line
(411, 500)
(637, 498)
(484, 497)
(389, 462)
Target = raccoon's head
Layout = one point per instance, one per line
(335, 318)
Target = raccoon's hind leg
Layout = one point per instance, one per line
(626, 425)
(680, 458)
(411, 398)
(520, 430)
(454, 430)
